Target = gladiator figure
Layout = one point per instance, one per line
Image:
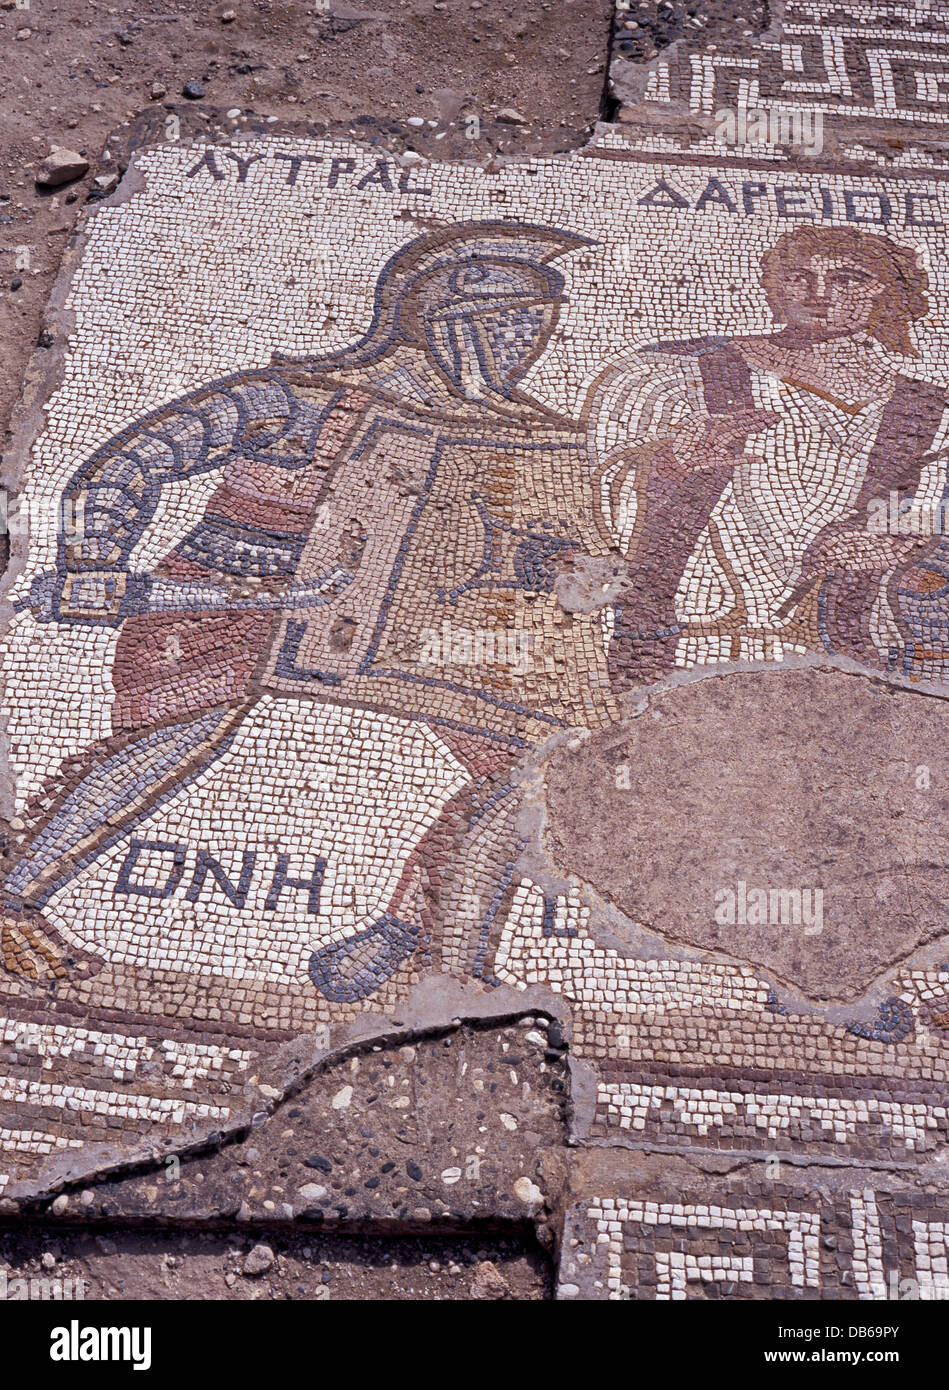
(365, 501)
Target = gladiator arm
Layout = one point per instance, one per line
(111, 499)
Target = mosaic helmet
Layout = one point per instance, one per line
(479, 297)
(483, 318)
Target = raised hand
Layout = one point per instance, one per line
(705, 442)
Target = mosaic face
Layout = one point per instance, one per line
(407, 489)
(829, 296)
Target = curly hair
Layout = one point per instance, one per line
(902, 299)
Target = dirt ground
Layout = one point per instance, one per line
(215, 1265)
(74, 71)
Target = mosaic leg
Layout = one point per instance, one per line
(346, 971)
(475, 882)
(449, 896)
(676, 505)
(112, 789)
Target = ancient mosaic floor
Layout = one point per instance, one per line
(442, 593)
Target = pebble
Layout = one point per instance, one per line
(487, 1282)
(510, 116)
(342, 1098)
(528, 1192)
(312, 1192)
(258, 1260)
(61, 166)
(194, 91)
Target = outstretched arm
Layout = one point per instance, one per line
(651, 435)
(110, 500)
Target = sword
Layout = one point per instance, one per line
(92, 596)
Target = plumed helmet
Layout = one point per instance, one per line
(470, 268)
